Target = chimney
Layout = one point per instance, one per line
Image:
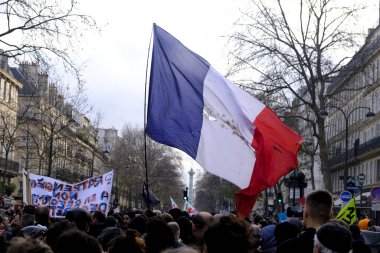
(4, 61)
(30, 72)
(43, 83)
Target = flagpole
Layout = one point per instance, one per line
(145, 105)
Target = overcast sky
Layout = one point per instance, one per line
(116, 57)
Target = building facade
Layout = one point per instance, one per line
(356, 92)
(53, 139)
(9, 86)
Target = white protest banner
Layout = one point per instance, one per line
(93, 193)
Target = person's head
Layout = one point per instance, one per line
(175, 229)
(365, 224)
(29, 209)
(75, 241)
(284, 231)
(131, 242)
(126, 219)
(81, 217)
(175, 213)
(98, 217)
(228, 235)
(355, 231)
(201, 222)
(166, 217)
(318, 209)
(42, 215)
(28, 245)
(183, 249)
(185, 227)
(332, 237)
(56, 229)
(139, 223)
(158, 235)
(27, 220)
(111, 221)
(268, 239)
(107, 235)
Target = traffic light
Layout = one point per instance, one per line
(279, 198)
(185, 195)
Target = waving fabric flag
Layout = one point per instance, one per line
(189, 208)
(173, 204)
(226, 130)
(348, 213)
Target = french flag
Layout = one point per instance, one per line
(227, 131)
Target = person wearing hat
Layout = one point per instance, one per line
(332, 237)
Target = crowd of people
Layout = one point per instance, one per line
(31, 230)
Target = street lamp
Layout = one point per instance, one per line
(323, 113)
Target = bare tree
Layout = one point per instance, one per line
(294, 51)
(214, 194)
(47, 32)
(164, 167)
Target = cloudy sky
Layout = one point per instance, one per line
(116, 58)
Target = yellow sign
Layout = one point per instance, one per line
(348, 213)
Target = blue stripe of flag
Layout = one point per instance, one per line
(175, 104)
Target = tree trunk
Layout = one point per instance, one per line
(324, 156)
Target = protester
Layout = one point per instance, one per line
(81, 217)
(131, 243)
(268, 239)
(76, 241)
(159, 236)
(176, 233)
(332, 237)
(358, 245)
(107, 235)
(28, 245)
(200, 223)
(98, 219)
(42, 216)
(318, 211)
(228, 235)
(285, 231)
(186, 229)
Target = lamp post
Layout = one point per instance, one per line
(323, 113)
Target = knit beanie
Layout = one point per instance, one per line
(363, 224)
(335, 237)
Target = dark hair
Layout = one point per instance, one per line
(175, 213)
(56, 229)
(139, 223)
(107, 235)
(99, 216)
(27, 220)
(131, 243)
(111, 221)
(80, 216)
(42, 216)
(319, 205)
(29, 209)
(185, 227)
(75, 241)
(229, 235)
(28, 245)
(159, 235)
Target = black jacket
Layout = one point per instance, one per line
(304, 243)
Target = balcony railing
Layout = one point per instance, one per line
(352, 157)
(12, 166)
